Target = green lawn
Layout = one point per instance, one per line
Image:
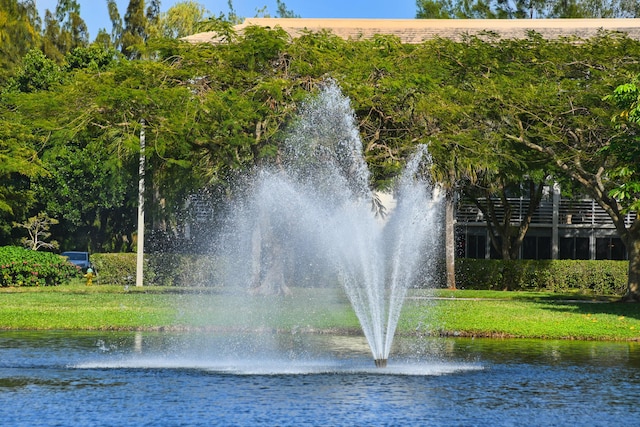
(528, 317)
(451, 313)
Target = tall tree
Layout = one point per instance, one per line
(19, 32)
(74, 29)
(521, 9)
(623, 176)
(117, 27)
(135, 29)
(19, 163)
(52, 37)
(182, 19)
(64, 30)
(283, 12)
(153, 16)
(570, 126)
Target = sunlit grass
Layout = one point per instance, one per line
(440, 312)
(522, 314)
(81, 307)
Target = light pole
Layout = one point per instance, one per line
(140, 253)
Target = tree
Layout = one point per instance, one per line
(153, 17)
(521, 9)
(64, 31)
(135, 29)
(572, 129)
(74, 30)
(182, 19)
(36, 73)
(38, 229)
(493, 197)
(624, 172)
(490, 74)
(283, 12)
(117, 27)
(19, 32)
(19, 163)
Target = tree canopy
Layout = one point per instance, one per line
(495, 113)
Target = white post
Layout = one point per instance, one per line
(140, 254)
(555, 220)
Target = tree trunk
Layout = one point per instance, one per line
(267, 262)
(450, 241)
(633, 282)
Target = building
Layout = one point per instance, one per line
(419, 30)
(561, 228)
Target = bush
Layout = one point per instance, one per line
(183, 269)
(600, 277)
(115, 268)
(159, 269)
(24, 267)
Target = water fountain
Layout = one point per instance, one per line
(315, 214)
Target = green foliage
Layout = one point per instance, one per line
(38, 232)
(498, 9)
(135, 29)
(213, 110)
(36, 73)
(159, 269)
(24, 267)
(625, 148)
(259, 47)
(115, 268)
(599, 277)
(94, 57)
(19, 32)
(183, 270)
(181, 19)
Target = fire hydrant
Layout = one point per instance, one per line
(89, 276)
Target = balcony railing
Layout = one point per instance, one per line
(583, 212)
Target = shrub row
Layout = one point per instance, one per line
(159, 269)
(24, 267)
(115, 268)
(600, 277)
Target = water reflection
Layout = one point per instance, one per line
(194, 379)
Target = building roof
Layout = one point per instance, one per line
(419, 30)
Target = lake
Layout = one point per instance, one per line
(191, 379)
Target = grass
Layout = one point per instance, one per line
(80, 307)
(441, 312)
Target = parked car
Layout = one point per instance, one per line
(81, 259)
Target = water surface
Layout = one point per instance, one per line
(170, 379)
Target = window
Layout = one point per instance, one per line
(470, 246)
(574, 248)
(476, 246)
(536, 247)
(610, 248)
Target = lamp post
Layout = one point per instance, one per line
(140, 252)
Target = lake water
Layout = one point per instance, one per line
(187, 379)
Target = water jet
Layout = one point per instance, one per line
(314, 218)
(380, 363)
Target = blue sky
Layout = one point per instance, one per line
(94, 12)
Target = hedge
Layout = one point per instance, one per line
(602, 277)
(159, 269)
(115, 268)
(24, 267)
